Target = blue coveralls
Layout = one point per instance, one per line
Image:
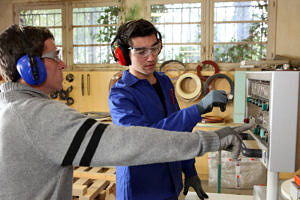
(134, 101)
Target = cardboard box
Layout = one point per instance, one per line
(243, 174)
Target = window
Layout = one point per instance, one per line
(245, 25)
(226, 31)
(50, 18)
(83, 31)
(180, 25)
(92, 31)
(221, 30)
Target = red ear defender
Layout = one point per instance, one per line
(122, 55)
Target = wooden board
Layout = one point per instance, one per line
(91, 183)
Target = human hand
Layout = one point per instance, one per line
(213, 98)
(230, 140)
(195, 183)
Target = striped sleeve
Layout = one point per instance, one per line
(78, 139)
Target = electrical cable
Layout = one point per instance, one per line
(170, 66)
(206, 62)
(209, 80)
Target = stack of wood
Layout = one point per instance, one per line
(94, 183)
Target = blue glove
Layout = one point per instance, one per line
(195, 183)
(213, 98)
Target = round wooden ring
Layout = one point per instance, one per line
(196, 93)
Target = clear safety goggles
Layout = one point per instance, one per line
(54, 55)
(144, 52)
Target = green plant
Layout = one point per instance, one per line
(109, 16)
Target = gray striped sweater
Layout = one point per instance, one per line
(41, 140)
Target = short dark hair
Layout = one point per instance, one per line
(135, 28)
(13, 45)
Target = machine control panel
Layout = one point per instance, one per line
(272, 104)
(258, 100)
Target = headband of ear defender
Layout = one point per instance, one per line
(30, 66)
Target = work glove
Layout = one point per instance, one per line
(230, 139)
(195, 183)
(213, 98)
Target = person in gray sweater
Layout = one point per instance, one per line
(41, 139)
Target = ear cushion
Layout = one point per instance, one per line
(123, 56)
(25, 71)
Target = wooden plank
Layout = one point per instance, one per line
(102, 195)
(94, 190)
(80, 186)
(91, 194)
(111, 192)
(79, 190)
(94, 183)
(93, 175)
(111, 171)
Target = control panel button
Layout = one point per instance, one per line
(265, 107)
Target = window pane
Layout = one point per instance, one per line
(179, 24)
(241, 11)
(236, 32)
(186, 12)
(91, 35)
(57, 32)
(93, 55)
(95, 15)
(49, 17)
(180, 33)
(184, 53)
(248, 28)
(86, 35)
(234, 53)
(94, 28)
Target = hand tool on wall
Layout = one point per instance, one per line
(88, 84)
(82, 84)
(54, 94)
(70, 101)
(69, 77)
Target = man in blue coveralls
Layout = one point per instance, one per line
(144, 97)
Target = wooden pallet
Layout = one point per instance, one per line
(94, 183)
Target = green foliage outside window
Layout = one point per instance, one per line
(250, 48)
(107, 32)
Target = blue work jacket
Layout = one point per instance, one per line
(134, 101)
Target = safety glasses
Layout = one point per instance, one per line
(54, 55)
(144, 52)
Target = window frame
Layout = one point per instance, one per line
(203, 43)
(68, 27)
(207, 29)
(207, 25)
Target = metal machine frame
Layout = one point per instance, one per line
(273, 104)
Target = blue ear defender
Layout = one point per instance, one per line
(32, 69)
(29, 66)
